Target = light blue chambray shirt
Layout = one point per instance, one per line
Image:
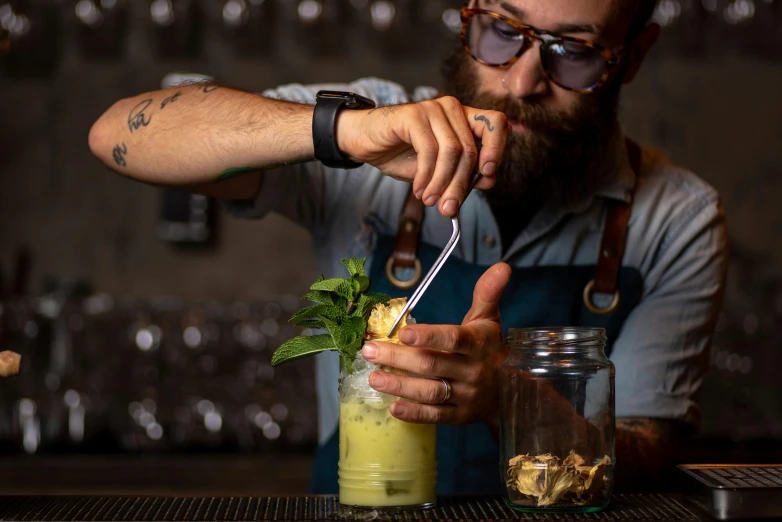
(677, 240)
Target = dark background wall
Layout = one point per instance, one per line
(708, 97)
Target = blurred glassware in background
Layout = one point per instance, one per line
(29, 34)
(316, 27)
(741, 396)
(250, 26)
(102, 27)
(153, 375)
(391, 27)
(684, 23)
(300, 30)
(177, 27)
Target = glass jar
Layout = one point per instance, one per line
(383, 461)
(557, 421)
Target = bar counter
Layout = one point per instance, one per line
(634, 507)
(240, 488)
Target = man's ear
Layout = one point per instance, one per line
(638, 50)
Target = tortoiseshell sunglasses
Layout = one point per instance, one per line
(572, 63)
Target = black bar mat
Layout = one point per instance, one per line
(190, 509)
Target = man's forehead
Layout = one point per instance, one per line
(596, 17)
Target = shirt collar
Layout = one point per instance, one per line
(619, 184)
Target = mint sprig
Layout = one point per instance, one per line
(343, 309)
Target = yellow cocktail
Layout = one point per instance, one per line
(383, 461)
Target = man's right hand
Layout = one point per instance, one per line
(431, 144)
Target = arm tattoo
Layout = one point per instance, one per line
(119, 155)
(137, 118)
(170, 99)
(645, 452)
(210, 88)
(484, 119)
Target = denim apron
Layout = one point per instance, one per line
(540, 296)
(468, 456)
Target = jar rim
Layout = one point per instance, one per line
(557, 335)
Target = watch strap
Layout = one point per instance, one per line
(324, 128)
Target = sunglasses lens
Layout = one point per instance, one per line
(491, 40)
(573, 65)
(495, 42)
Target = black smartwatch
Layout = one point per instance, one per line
(324, 121)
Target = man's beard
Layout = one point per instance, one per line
(560, 159)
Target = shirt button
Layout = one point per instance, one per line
(489, 241)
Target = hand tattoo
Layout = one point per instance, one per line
(169, 100)
(137, 118)
(481, 117)
(119, 155)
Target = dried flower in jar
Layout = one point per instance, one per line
(550, 479)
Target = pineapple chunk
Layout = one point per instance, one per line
(382, 318)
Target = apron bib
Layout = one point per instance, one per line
(542, 296)
(468, 456)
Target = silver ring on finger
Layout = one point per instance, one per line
(448, 390)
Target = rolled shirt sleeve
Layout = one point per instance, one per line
(661, 354)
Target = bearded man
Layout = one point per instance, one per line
(573, 224)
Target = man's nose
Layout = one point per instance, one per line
(526, 77)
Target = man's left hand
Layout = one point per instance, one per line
(467, 357)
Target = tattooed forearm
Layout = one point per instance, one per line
(119, 155)
(137, 118)
(170, 99)
(645, 451)
(484, 119)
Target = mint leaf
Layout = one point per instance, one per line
(364, 306)
(319, 296)
(342, 335)
(341, 287)
(355, 266)
(312, 312)
(349, 351)
(302, 346)
(343, 308)
(363, 283)
(356, 324)
(312, 323)
(379, 297)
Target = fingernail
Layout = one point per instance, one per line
(398, 409)
(431, 200)
(419, 194)
(377, 380)
(407, 336)
(450, 207)
(490, 168)
(369, 351)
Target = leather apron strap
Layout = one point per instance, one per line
(406, 246)
(612, 245)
